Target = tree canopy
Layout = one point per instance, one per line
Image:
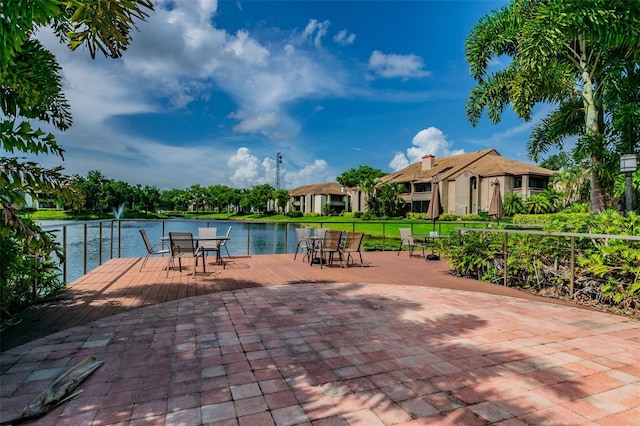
(355, 177)
(31, 90)
(564, 52)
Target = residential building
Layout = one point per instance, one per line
(314, 198)
(465, 180)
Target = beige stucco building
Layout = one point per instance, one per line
(464, 180)
(313, 198)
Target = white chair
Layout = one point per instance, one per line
(209, 245)
(302, 235)
(319, 232)
(223, 243)
(152, 249)
(406, 239)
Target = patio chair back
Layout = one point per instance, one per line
(152, 249)
(302, 236)
(182, 245)
(223, 243)
(208, 245)
(406, 239)
(330, 245)
(353, 244)
(320, 232)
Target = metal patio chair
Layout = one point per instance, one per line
(152, 249)
(182, 245)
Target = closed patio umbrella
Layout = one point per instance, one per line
(495, 208)
(434, 206)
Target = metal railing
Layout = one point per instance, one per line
(572, 250)
(107, 241)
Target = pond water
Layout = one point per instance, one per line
(123, 239)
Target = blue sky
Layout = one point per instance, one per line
(209, 92)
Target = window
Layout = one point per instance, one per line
(419, 206)
(474, 183)
(537, 182)
(422, 187)
(517, 182)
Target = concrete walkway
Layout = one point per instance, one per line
(337, 354)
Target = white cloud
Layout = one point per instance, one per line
(251, 171)
(396, 66)
(427, 141)
(254, 123)
(248, 169)
(179, 54)
(317, 28)
(344, 38)
(318, 172)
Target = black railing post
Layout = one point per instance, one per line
(506, 255)
(111, 243)
(85, 249)
(119, 238)
(100, 248)
(64, 250)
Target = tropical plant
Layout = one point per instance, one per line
(559, 51)
(513, 204)
(573, 183)
(538, 204)
(31, 89)
(606, 270)
(555, 197)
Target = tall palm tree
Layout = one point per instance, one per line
(558, 51)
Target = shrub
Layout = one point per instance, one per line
(470, 217)
(416, 215)
(530, 219)
(357, 214)
(577, 208)
(21, 273)
(368, 215)
(295, 213)
(449, 217)
(513, 204)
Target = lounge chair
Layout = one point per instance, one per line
(152, 249)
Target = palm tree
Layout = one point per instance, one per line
(538, 204)
(513, 204)
(558, 51)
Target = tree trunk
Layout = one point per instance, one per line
(592, 131)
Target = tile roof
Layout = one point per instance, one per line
(483, 163)
(328, 188)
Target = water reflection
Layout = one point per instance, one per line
(122, 239)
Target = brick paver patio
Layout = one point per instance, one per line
(331, 353)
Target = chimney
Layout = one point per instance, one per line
(427, 162)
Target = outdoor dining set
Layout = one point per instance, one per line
(321, 245)
(186, 245)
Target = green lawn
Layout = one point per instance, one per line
(374, 230)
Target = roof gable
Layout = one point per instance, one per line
(328, 188)
(487, 162)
